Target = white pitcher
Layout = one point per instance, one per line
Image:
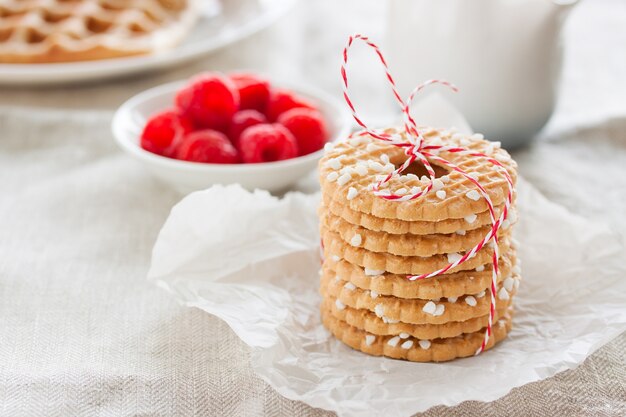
(504, 55)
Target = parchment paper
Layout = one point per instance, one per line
(253, 260)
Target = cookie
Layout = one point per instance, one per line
(407, 244)
(347, 171)
(352, 252)
(412, 349)
(413, 311)
(371, 323)
(398, 227)
(448, 285)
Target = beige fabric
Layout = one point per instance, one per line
(81, 331)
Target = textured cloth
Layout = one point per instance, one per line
(82, 332)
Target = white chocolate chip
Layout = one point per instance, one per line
(350, 286)
(437, 184)
(361, 169)
(471, 218)
(371, 147)
(471, 301)
(346, 169)
(369, 339)
(356, 240)
(424, 178)
(509, 283)
(464, 142)
(415, 190)
(375, 166)
(334, 163)
(343, 180)
(390, 321)
(473, 175)
(407, 344)
(404, 335)
(473, 195)
(412, 176)
(503, 294)
(339, 304)
(352, 192)
(401, 191)
(517, 269)
(332, 176)
(452, 299)
(454, 257)
(424, 344)
(329, 146)
(445, 179)
(373, 272)
(441, 194)
(480, 268)
(497, 143)
(393, 341)
(389, 168)
(430, 308)
(335, 258)
(440, 310)
(379, 310)
(385, 158)
(373, 294)
(477, 136)
(480, 294)
(460, 232)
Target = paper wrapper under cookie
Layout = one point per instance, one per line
(253, 261)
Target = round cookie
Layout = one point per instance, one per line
(398, 227)
(414, 311)
(448, 285)
(437, 350)
(368, 321)
(333, 244)
(407, 244)
(350, 167)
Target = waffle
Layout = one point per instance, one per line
(48, 31)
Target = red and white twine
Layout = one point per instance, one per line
(416, 149)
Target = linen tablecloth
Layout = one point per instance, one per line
(83, 333)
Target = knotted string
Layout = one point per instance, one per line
(414, 146)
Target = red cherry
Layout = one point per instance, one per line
(254, 91)
(267, 143)
(283, 100)
(210, 100)
(163, 131)
(208, 146)
(307, 126)
(241, 121)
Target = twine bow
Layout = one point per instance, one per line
(416, 148)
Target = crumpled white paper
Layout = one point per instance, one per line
(253, 259)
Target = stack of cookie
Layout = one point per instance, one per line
(371, 245)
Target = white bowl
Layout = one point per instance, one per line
(186, 177)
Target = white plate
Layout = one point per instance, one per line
(235, 20)
(186, 177)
